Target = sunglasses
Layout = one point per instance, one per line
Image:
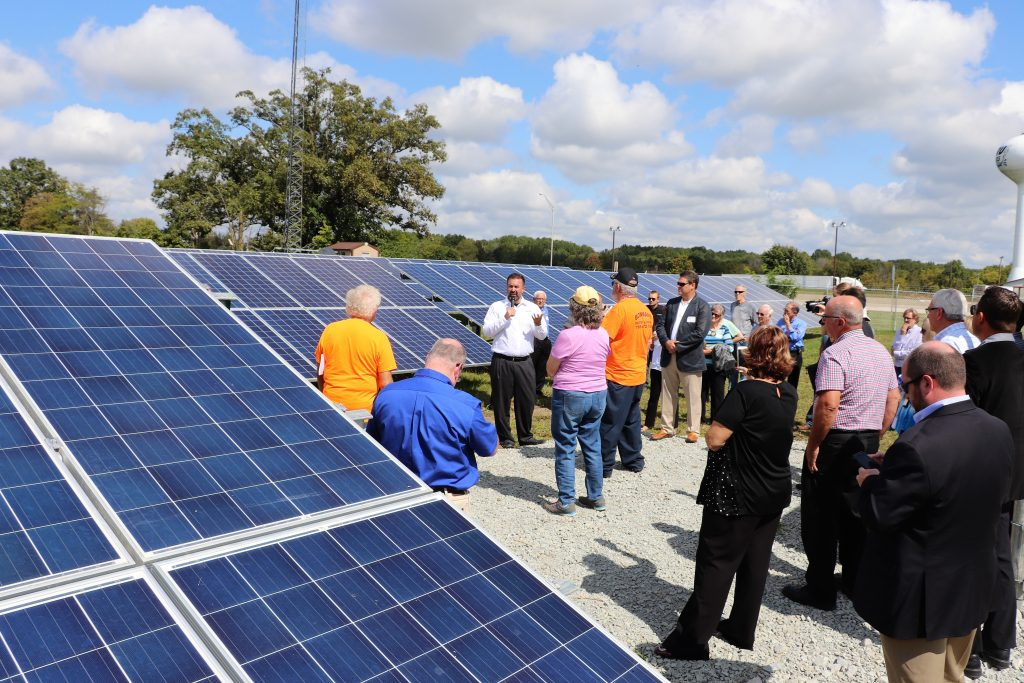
(740, 291)
(682, 284)
(652, 298)
(908, 382)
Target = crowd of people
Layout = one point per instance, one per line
(921, 532)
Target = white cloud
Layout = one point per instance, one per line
(477, 109)
(465, 158)
(95, 137)
(593, 126)
(21, 79)
(1011, 101)
(186, 51)
(752, 135)
(448, 28)
(866, 59)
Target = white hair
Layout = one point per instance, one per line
(362, 301)
(952, 302)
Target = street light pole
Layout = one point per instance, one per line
(614, 229)
(551, 260)
(835, 248)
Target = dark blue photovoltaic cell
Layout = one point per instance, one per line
(192, 267)
(298, 328)
(178, 414)
(444, 287)
(417, 592)
(44, 528)
(242, 279)
(292, 278)
(393, 291)
(117, 633)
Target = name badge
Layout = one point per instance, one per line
(691, 319)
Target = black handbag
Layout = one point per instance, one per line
(718, 487)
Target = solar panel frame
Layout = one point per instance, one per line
(114, 624)
(177, 464)
(243, 280)
(389, 577)
(294, 280)
(393, 291)
(405, 359)
(303, 365)
(441, 286)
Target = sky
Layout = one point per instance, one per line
(731, 124)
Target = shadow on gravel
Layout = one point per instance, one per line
(718, 670)
(519, 487)
(635, 587)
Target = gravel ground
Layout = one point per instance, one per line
(634, 566)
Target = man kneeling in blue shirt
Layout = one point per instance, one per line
(433, 428)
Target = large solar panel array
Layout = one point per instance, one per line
(179, 505)
(292, 298)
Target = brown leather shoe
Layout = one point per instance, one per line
(691, 437)
(661, 434)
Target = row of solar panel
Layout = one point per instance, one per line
(287, 301)
(187, 432)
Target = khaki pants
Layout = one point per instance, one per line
(671, 379)
(926, 661)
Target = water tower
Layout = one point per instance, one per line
(1010, 160)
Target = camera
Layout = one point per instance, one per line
(817, 306)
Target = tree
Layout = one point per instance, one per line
(75, 209)
(23, 179)
(786, 260)
(365, 167)
(145, 229)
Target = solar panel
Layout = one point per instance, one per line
(475, 313)
(119, 632)
(442, 286)
(299, 328)
(303, 363)
(188, 427)
(294, 280)
(192, 267)
(405, 359)
(243, 280)
(419, 593)
(393, 291)
(45, 528)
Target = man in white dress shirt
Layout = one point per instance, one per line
(513, 324)
(946, 315)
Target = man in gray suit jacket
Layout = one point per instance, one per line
(928, 573)
(681, 332)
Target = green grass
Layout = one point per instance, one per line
(478, 383)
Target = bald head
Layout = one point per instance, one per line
(764, 314)
(941, 362)
(446, 356)
(847, 308)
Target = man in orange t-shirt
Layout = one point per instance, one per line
(354, 358)
(629, 325)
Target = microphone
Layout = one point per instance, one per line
(512, 300)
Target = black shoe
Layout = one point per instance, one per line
(530, 442)
(997, 659)
(973, 669)
(508, 443)
(723, 633)
(606, 475)
(804, 596)
(696, 654)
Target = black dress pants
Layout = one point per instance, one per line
(712, 385)
(738, 547)
(798, 361)
(513, 379)
(827, 522)
(999, 632)
(541, 353)
(651, 413)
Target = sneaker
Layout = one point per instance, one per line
(592, 503)
(973, 669)
(691, 437)
(508, 443)
(556, 508)
(661, 434)
(530, 442)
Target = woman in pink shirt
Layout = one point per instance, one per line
(579, 388)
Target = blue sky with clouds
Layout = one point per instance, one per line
(724, 123)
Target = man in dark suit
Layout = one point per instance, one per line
(928, 571)
(995, 382)
(681, 332)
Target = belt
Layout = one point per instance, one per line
(853, 431)
(450, 490)
(514, 359)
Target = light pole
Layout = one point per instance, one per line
(1001, 268)
(551, 260)
(614, 229)
(835, 248)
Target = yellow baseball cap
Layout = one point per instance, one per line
(586, 296)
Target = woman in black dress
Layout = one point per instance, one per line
(746, 487)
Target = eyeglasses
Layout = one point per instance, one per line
(716, 315)
(740, 291)
(933, 308)
(682, 284)
(908, 382)
(974, 309)
(822, 319)
(908, 317)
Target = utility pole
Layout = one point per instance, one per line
(293, 189)
(551, 260)
(835, 249)
(614, 229)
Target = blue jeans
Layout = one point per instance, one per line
(577, 415)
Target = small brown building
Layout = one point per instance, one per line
(354, 249)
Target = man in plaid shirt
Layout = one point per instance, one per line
(856, 396)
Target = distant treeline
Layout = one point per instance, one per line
(778, 260)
